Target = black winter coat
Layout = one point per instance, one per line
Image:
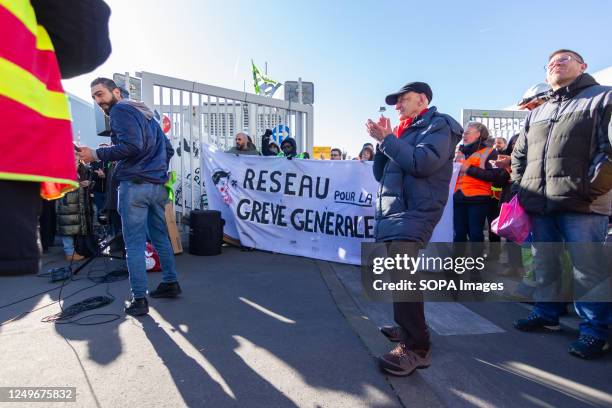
(73, 213)
(507, 194)
(553, 160)
(414, 172)
(79, 32)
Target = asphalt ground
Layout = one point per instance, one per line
(257, 329)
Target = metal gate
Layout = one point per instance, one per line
(501, 123)
(210, 114)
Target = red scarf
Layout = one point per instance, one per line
(406, 123)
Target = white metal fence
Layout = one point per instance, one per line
(205, 113)
(501, 123)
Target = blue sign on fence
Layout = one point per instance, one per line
(280, 133)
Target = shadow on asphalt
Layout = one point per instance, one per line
(259, 330)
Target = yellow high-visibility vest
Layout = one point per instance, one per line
(36, 142)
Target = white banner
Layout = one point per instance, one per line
(313, 208)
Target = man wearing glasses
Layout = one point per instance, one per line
(562, 171)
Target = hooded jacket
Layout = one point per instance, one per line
(140, 147)
(293, 152)
(290, 141)
(414, 171)
(562, 142)
(250, 150)
(265, 144)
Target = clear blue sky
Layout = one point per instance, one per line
(474, 54)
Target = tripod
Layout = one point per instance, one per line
(64, 272)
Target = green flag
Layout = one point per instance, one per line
(263, 85)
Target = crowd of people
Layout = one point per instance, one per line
(559, 166)
(243, 144)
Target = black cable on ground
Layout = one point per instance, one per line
(67, 315)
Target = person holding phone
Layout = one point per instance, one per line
(143, 154)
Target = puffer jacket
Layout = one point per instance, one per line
(507, 194)
(74, 210)
(414, 172)
(562, 143)
(72, 213)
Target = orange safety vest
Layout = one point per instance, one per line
(36, 141)
(471, 186)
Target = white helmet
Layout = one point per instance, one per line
(536, 91)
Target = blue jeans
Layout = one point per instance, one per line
(68, 244)
(586, 261)
(141, 207)
(99, 200)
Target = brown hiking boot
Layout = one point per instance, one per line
(75, 257)
(393, 333)
(402, 361)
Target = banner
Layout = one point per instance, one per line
(312, 208)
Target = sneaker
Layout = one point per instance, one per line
(166, 290)
(137, 307)
(588, 347)
(534, 322)
(402, 361)
(393, 333)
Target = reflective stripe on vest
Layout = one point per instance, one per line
(36, 143)
(496, 192)
(471, 186)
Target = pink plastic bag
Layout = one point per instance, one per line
(513, 222)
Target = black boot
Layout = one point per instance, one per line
(137, 307)
(166, 290)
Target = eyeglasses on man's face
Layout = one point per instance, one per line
(561, 59)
